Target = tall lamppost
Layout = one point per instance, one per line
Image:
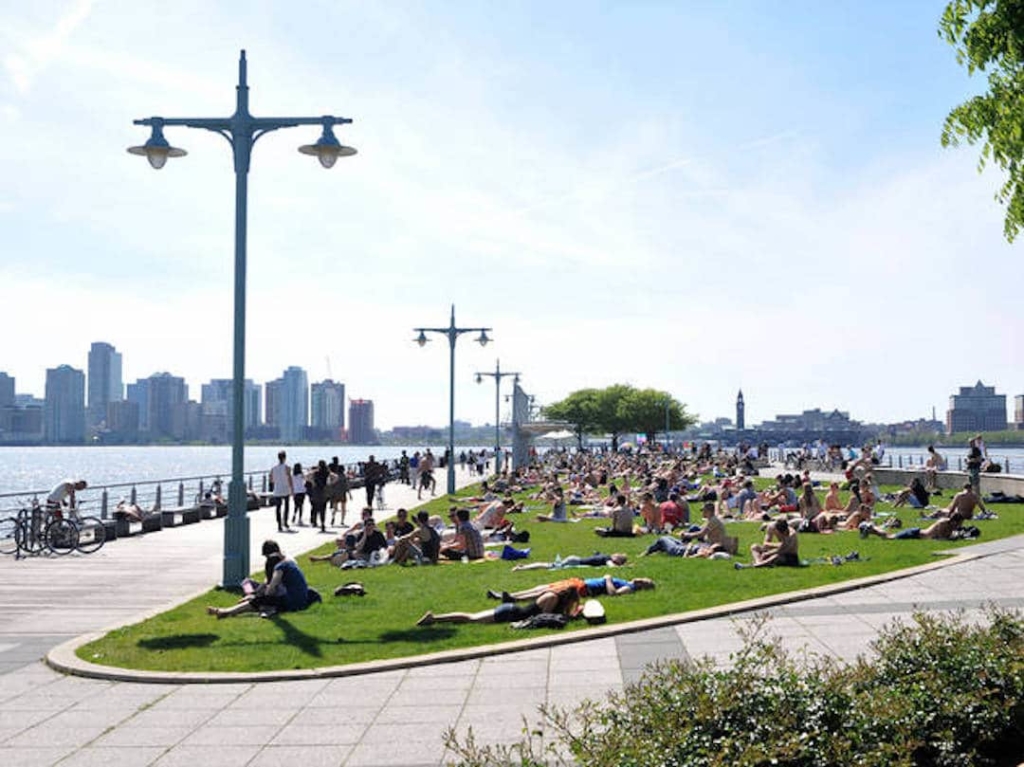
(453, 334)
(497, 375)
(241, 131)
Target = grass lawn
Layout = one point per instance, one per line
(382, 624)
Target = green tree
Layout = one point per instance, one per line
(988, 36)
(579, 410)
(646, 409)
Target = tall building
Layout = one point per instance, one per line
(138, 393)
(976, 408)
(217, 398)
(123, 420)
(741, 422)
(64, 412)
(271, 400)
(1018, 412)
(105, 383)
(327, 407)
(165, 393)
(360, 422)
(293, 404)
(6, 390)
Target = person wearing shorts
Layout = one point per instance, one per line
(507, 612)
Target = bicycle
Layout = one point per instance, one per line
(92, 533)
(36, 530)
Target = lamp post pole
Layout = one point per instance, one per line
(241, 131)
(452, 333)
(497, 375)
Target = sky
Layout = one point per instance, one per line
(695, 197)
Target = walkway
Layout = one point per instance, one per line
(389, 718)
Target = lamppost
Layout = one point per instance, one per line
(452, 333)
(242, 131)
(497, 375)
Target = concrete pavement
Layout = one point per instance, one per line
(394, 717)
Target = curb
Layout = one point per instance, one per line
(63, 658)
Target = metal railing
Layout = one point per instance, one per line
(151, 495)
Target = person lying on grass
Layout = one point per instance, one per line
(285, 590)
(940, 530)
(565, 602)
(618, 559)
(605, 585)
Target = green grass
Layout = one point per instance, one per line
(381, 625)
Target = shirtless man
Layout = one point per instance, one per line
(64, 493)
(933, 466)
(779, 547)
(964, 502)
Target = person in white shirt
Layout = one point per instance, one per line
(281, 479)
(65, 491)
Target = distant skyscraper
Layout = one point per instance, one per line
(271, 402)
(741, 421)
(976, 408)
(327, 406)
(105, 383)
(6, 390)
(293, 405)
(64, 412)
(217, 399)
(138, 393)
(165, 392)
(360, 422)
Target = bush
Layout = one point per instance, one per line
(939, 692)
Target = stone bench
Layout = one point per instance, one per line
(179, 515)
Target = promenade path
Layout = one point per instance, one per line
(384, 718)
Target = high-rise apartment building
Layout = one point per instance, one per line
(138, 393)
(1018, 412)
(105, 384)
(293, 404)
(164, 393)
(64, 412)
(6, 390)
(271, 402)
(976, 408)
(360, 422)
(217, 399)
(327, 407)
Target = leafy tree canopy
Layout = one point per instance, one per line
(620, 409)
(988, 36)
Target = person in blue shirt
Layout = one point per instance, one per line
(285, 591)
(592, 587)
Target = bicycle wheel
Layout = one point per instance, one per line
(91, 535)
(9, 536)
(61, 536)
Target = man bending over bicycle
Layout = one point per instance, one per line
(64, 494)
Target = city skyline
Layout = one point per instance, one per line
(691, 197)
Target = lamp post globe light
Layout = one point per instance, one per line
(241, 131)
(452, 333)
(497, 375)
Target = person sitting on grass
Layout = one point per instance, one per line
(711, 533)
(617, 559)
(361, 549)
(565, 603)
(936, 462)
(587, 587)
(286, 589)
(964, 502)
(558, 513)
(778, 549)
(422, 545)
(832, 501)
(915, 494)
(675, 512)
(622, 521)
(492, 517)
(467, 541)
(940, 530)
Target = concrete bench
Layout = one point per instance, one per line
(175, 516)
(126, 527)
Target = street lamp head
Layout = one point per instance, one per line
(422, 339)
(479, 378)
(483, 339)
(157, 150)
(327, 149)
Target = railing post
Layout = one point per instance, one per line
(159, 494)
(1007, 468)
(200, 496)
(134, 495)
(104, 500)
(899, 459)
(959, 464)
(250, 483)
(181, 494)
(264, 487)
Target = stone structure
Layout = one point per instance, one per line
(976, 408)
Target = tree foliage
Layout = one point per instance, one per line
(988, 36)
(619, 409)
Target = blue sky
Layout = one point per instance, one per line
(695, 197)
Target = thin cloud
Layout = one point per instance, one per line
(23, 67)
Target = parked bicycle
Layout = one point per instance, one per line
(37, 530)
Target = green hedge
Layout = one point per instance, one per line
(939, 691)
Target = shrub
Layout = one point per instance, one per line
(940, 692)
